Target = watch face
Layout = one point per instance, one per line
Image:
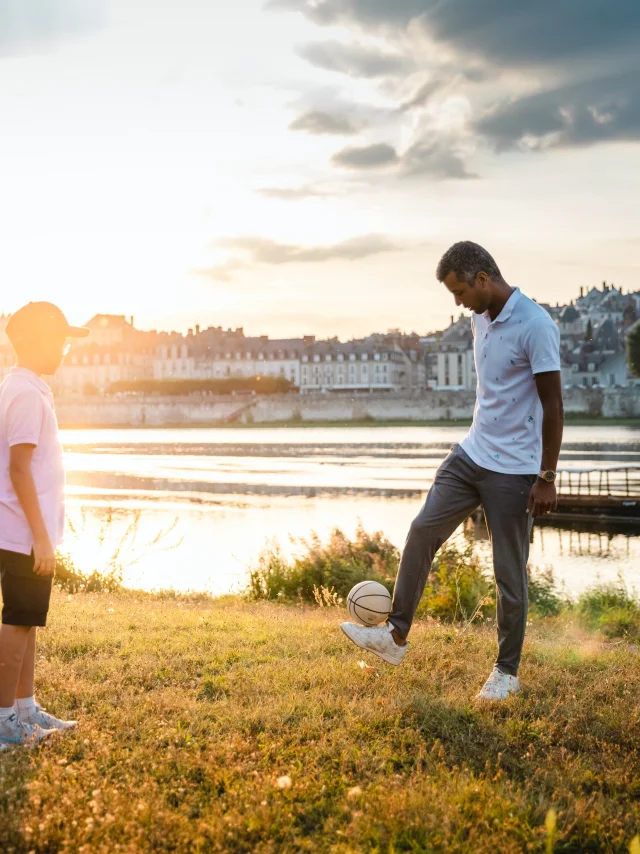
(550, 476)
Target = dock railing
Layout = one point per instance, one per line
(622, 481)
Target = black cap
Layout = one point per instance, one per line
(41, 318)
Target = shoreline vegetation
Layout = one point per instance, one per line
(570, 420)
(249, 723)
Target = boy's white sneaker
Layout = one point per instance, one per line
(13, 731)
(499, 686)
(376, 639)
(38, 717)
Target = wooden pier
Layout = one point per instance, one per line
(593, 498)
(605, 494)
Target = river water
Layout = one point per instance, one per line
(191, 509)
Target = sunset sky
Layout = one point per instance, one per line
(299, 166)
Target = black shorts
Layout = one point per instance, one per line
(25, 595)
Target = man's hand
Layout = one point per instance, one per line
(44, 557)
(543, 498)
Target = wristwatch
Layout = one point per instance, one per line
(548, 476)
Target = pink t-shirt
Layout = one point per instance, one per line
(27, 417)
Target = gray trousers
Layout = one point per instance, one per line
(460, 487)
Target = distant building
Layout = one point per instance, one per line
(115, 351)
(356, 367)
(450, 358)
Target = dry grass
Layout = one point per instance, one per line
(191, 711)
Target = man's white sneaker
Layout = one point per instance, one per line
(13, 731)
(376, 639)
(38, 717)
(499, 686)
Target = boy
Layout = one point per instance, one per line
(31, 512)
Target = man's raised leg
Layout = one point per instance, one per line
(451, 499)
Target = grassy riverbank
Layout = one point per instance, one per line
(191, 711)
(570, 420)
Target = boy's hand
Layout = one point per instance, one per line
(44, 557)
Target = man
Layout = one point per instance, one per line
(31, 513)
(507, 463)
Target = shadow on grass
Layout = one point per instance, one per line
(17, 770)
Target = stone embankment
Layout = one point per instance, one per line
(228, 409)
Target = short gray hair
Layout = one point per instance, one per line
(466, 260)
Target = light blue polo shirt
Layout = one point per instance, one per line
(506, 434)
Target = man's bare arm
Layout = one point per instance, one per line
(25, 488)
(543, 495)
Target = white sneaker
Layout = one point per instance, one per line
(499, 686)
(38, 717)
(14, 731)
(377, 639)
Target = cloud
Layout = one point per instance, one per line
(501, 30)
(538, 33)
(574, 115)
(31, 25)
(354, 60)
(366, 157)
(320, 123)
(371, 13)
(431, 155)
(291, 194)
(435, 157)
(248, 251)
(444, 82)
(592, 48)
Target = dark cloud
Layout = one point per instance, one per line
(369, 13)
(322, 123)
(575, 115)
(592, 46)
(434, 157)
(293, 194)
(354, 60)
(502, 30)
(534, 33)
(31, 25)
(248, 251)
(366, 157)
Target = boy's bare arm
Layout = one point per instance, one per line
(25, 489)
